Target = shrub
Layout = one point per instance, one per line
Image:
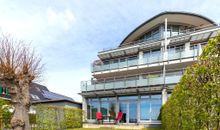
(195, 101)
(53, 117)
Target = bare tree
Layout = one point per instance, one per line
(19, 66)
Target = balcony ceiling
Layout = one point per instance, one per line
(172, 17)
(119, 52)
(125, 91)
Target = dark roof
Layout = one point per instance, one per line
(39, 92)
(55, 96)
(54, 101)
(37, 89)
(168, 12)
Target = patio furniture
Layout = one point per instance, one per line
(107, 117)
(99, 117)
(119, 117)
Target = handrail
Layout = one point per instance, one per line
(93, 86)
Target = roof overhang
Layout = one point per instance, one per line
(124, 91)
(186, 18)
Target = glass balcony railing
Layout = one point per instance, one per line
(172, 55)
(147, 59)
(116, 84)
(152, 59)
(126, 63)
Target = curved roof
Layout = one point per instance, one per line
(172, 17)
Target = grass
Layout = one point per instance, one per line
(113, 129)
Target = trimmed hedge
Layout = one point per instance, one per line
(53, 117)
(195, 101)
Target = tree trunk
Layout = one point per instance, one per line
(21, 102)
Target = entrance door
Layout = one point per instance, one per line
(129, 110)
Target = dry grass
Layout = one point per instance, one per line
(113, 129)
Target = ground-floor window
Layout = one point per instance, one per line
(146, 106)
(92, 108)
(150, 107)
(108, 108)
(128, 106)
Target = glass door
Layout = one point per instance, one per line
(123, 109)
(133, 112)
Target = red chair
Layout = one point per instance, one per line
(119, 117)
(99, 117)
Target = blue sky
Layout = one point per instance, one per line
(68, 34)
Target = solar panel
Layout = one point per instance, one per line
(55, 96)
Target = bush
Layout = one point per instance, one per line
(72, 118)
(195, 101)
(5, 114)
(53, 117)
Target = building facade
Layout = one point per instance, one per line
(139, 75)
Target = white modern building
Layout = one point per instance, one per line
(138, 76)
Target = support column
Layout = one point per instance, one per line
(164, 95)
(117, 105)
(199, 49)
(138, 109)
(165, 43)
(141, 57)
(99, 105)
(187, 49)
(84, 108)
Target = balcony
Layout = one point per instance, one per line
(172, 55)
(126, 83)
(117, 65)
(147, 59)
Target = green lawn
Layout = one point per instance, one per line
(113, 129)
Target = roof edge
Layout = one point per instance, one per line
(163, 13)
(50, 101)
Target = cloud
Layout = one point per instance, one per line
(65, 19)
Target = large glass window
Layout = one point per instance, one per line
(155, 106)
(123, 109)
(128, 106)
(152, 56)
(92, 108)
(133, 112)
(152, 35)
(108, 108)
(150, 107)
(104, 108)
(175, 30)
(145, 107)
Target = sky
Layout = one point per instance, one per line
(68, 34)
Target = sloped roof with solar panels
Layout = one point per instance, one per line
(39, 93)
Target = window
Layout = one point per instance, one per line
(35, 97)
(115, 61)
(150, 107)
(122, 60)
(174, 73)
(132, 58)
(92, 108)
(175, 30)
(108, 107)
(105, 62)
(193, 47)
(155, 34)
(179, 48)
